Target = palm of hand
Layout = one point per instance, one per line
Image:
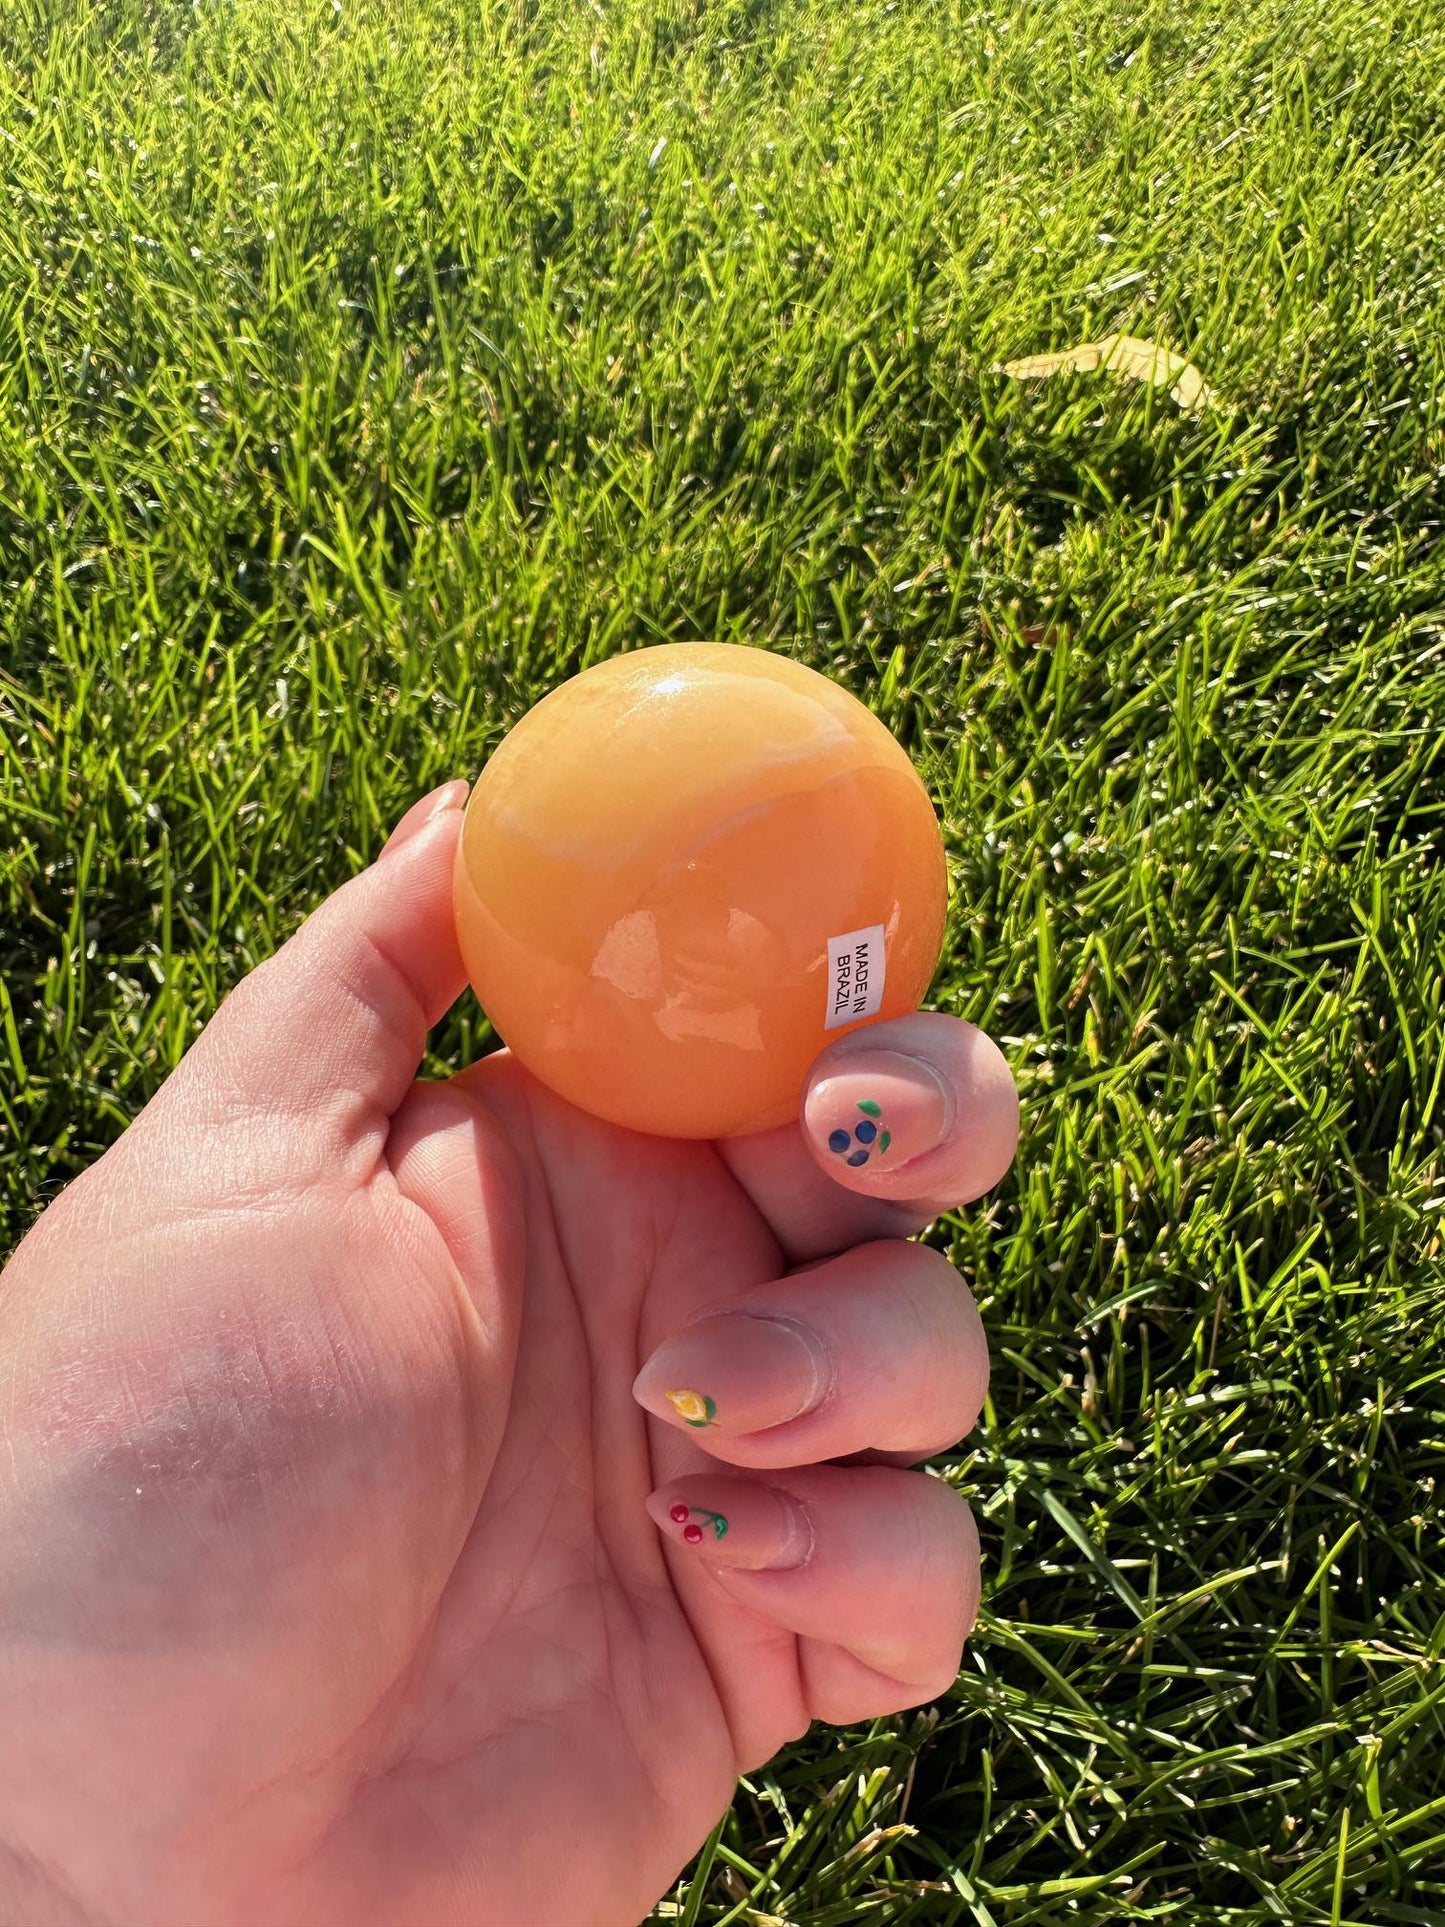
(559, 1732)
(366, 1590)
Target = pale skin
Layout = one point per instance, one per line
(340, 1581)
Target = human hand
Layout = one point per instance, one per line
(328, 1586)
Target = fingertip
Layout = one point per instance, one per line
(447, 798)
(888, 1594)
(917, 1107)
(988, 1093)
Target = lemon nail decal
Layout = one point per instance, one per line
(695, 1407)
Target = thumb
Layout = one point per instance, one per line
(334, 1024)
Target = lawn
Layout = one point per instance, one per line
(367, 368)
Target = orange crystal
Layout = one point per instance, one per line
(685, 872)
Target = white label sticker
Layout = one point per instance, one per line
(855, 976)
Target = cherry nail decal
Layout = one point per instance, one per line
(696, 1407)
(681, 1515)
(856, 1143)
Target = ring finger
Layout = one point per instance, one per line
(875, 1570)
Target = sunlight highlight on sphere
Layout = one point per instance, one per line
(685, 872)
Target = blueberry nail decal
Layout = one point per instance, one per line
(682, 1515)
(696, 1407)
(868, 1132)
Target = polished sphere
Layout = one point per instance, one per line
(685, 872)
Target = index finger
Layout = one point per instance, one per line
(899, 1121)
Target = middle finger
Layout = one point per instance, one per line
(880, 1348)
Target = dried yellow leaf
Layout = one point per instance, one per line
(1127, 355)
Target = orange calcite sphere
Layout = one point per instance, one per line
(685, 872)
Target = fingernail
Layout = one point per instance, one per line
(735, 1373)
(450, 796)
(733, 1522)
(879, 1109)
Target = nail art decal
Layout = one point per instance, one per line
(868, 1131)
(696, 1407)
(686, 1516)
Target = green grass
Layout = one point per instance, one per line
(368, 368)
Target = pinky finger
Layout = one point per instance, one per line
(875, 1569)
